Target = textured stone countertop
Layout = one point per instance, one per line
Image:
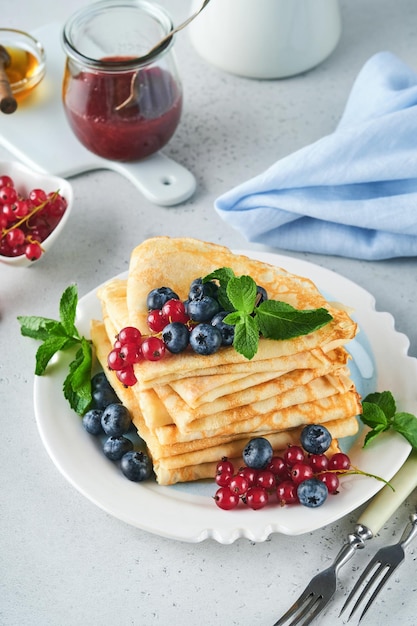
(64, 561)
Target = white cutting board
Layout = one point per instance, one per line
(39, 135)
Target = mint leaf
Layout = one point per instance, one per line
(39, 327)
(77, 385)
(406, 425)
(239, 296)
(379, 413)
(67, 310)
(47, 350)
(279, 320)
(222, 275)
(62, 334)
(385, 400)
(246, 339)
(370, 436)
(373, 416)
(241, 292)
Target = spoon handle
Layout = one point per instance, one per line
(177, 28)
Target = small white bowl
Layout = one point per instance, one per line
(25, 180)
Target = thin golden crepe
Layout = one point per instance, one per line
(191, 410)
(188, 461)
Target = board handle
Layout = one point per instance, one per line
(160, 179)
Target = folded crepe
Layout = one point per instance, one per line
(192, 410)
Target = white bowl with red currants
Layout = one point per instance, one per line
(34, 208)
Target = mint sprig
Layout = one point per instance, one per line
(58, 335)
(380, 414)
(272, 319)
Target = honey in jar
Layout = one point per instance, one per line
(27, 62)
(22, 68)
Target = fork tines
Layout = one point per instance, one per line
(381, 570)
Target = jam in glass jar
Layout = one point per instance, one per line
(122, 102)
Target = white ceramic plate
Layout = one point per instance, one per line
(187, 512)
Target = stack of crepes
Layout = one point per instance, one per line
(193, 410)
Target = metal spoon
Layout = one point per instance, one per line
(155, 50)
(8, 102)
(160, 44)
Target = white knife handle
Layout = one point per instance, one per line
(387, 501)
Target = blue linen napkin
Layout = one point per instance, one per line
(352, 193)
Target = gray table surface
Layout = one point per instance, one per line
(63, 560)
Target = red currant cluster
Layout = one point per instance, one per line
(279, 479)
(172, 311)
(25, 222)
(131, 347)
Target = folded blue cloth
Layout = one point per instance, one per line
(352, 193)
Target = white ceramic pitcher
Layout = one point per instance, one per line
(266, 38)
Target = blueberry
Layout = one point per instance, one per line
(99, 381)
(136, 466)
(261, 294)
(116, 420)
(203, 309)
(205, 339)
(157, 297)
(115, 447)
(227, 330)
(176, 337)
(315, 439)
(312, 492)
(92, 421)
(103, 396)
(258, 453)
(199, 289)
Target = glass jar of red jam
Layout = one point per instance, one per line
(122, 101)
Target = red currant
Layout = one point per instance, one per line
(287, 492)
(225, 466)
(226, 499)
(238, 484)
(127, 376)
(8, 212)
(8, 195)
(156, 320)
(130, 353)
(56, 205)
(278, 467)
(6, 181)
(15, 237)
(129, 334)
(250, 474)
(318, 462)
(331, 481)
(37, 196)
(33, 251)
(223, 479)
(293, 455)
(174, 311)
(339, 461)
(300, 472)
(20, 208)
(115, 361)
(153, 349)
(265, 479)
(256, 498)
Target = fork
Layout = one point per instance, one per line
(383, 565)
(322, 587)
